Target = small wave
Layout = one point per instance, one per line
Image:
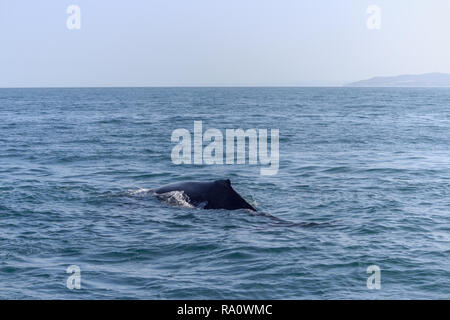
(340, 169)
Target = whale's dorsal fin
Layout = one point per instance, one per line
(224, 183)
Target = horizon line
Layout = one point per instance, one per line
(174, 86)
(218, 86)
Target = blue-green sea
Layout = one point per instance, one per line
(367, 169)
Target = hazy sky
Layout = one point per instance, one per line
(212, 42)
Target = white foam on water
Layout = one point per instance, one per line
(139, 192)
(176, 198)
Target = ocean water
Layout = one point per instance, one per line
(369, 168)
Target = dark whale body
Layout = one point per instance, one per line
(209, 195)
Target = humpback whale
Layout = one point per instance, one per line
(217, 194)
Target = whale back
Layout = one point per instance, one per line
(217, 194)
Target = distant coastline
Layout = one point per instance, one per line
(408, 80)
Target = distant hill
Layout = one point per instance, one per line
(409, 80)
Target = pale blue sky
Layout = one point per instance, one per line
(214, 43)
